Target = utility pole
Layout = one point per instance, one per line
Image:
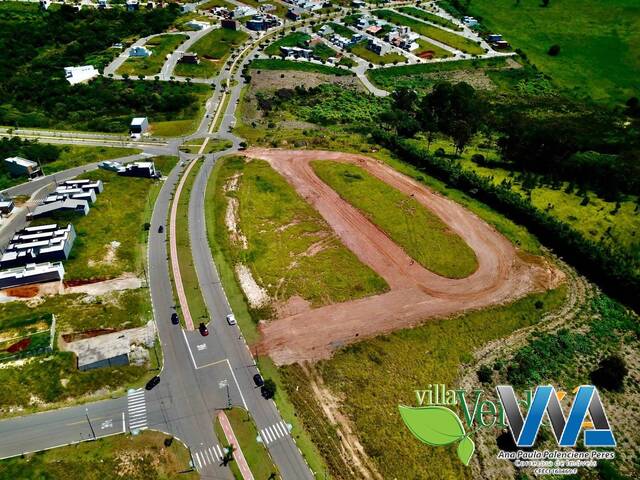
(89, 422)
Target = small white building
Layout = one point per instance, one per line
(133, 5)
(198, 24)
(139, 126)
(139, 51)
(32, 273)
(75, 75)
(244, 11)
(19, 167)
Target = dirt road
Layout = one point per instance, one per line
(415, 294)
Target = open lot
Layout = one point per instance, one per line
(137, 457)
(278, 64)
(361, 50)
(295, 39)
(456, 41)
(416, 229)
(599, 42)
(416, 294)
(160, 46)
(429, 17)
(213, 50)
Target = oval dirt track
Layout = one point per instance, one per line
(415, 293)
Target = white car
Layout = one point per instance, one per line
(231, 319)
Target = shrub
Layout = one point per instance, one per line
(610, 373)
(554, 50)
(484, 374)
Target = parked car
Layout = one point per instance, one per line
(160, 229)
(203, 330)
(152, 383)
(174, 318)
(231, 319)
(257, 379)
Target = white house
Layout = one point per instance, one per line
(139, 125)
(81, 74)
(139, 51)
(244, 11)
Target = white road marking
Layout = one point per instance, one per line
(136, 403)
(274, 432)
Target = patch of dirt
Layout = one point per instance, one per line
(256, 295)
(415, 293)
(127, 281)
(77, 283)
(72, 337)
(230, 221)
(26, 291)
(293, 306)
(109, 256)
(275, 79)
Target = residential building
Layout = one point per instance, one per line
(139, 51)
(32, 273)
(470, 22)
(188, 7)
(95, 185)
(259, 23)
(102, 4)
(373, 29)
(139, 126)
(500, 45)
(20, 167)
(494, 37)
(325, 30)
(379, 48)
(75, 75)
(190, 58)
(296, 52)
(295, 13)
(244, 11)
(267, 7)
(6, 206)
(43, 243)
(403, 37)
(74, 193)
(140, 169)
(229, 24)
(111, 166)
(69, 205)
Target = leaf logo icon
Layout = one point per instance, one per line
(436, 425)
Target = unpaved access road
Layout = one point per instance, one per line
(415, 294)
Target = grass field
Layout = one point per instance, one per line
(340, 29)
(599, 41)
(161, 46)
(277, 64)
(213, 145)
(374, 376)
(197, 307)
(139, 457)
(255, 453)
(291, 250)
(456, 41)
(362, 51)
(418, 231)
(94, 254)
(213, 49)
(56, 381)
(294, 39)
(425, 46)
(430, 17)
(215, 3)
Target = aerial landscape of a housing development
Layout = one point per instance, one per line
(319, 239)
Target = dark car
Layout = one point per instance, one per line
(152, 383)
(257, 379)
(203, 330)
(160, 229)
(174, 318)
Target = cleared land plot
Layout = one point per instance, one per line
(109, 238)
(39, 385)
(430, 17)
(295, 39)
(341, 29)
(137, 457)
(403, 362)
(362, 51)
(455, 41)
(213, 50)
(417, 230)
(264, 64)
(416, 293)
(425, 46)
(161, 46)
(291, 251)
(599, 41)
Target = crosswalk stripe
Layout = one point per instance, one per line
(274, 432)
(198, 460)
(265, 435)
(210, 459)
(285, 426)
(212, 453)
(279, 429)
(219, 452)
(141, 408)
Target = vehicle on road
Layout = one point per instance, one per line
(203, 330)
(152, 383)
(160, 229)
(231, 319)
(174, 318)
(257, 379)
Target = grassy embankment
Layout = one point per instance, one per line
(429, 17)
(295, 39)
(256, 454)
(455, 41)
(213, 50)
(376, 375)
(160, 46)
(139, 457)
(599, 42)
(361, 50)
(277, 64)
(184, 126)
(417, 230)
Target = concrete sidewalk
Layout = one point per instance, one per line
(238, 456)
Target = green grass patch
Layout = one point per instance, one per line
(294, 39)
(430, 17)
(362, 51)
(213, 145)
(341, 30)
(106, 458)
(455, 41)
(216, 3)
(425, 46)
(599, 42)
(374, 376)
(417, 230)
(213, 49)
(291, 250)
(56, 381)
(161, 46)
(277, 64)
(255, 453)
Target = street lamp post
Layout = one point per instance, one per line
(89, 422)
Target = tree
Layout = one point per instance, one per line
(545, 3)
(554, 50)
(484, 374)
(268, 390)
(610, 373)
(228, 455)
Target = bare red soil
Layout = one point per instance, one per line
(415, 294)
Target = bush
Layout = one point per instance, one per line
(554, 50)
(610, 373)
(478, 158)
(439, 152)
(268, 390)
(484, 374)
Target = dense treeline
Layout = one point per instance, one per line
(31, 149)
(38, 45)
